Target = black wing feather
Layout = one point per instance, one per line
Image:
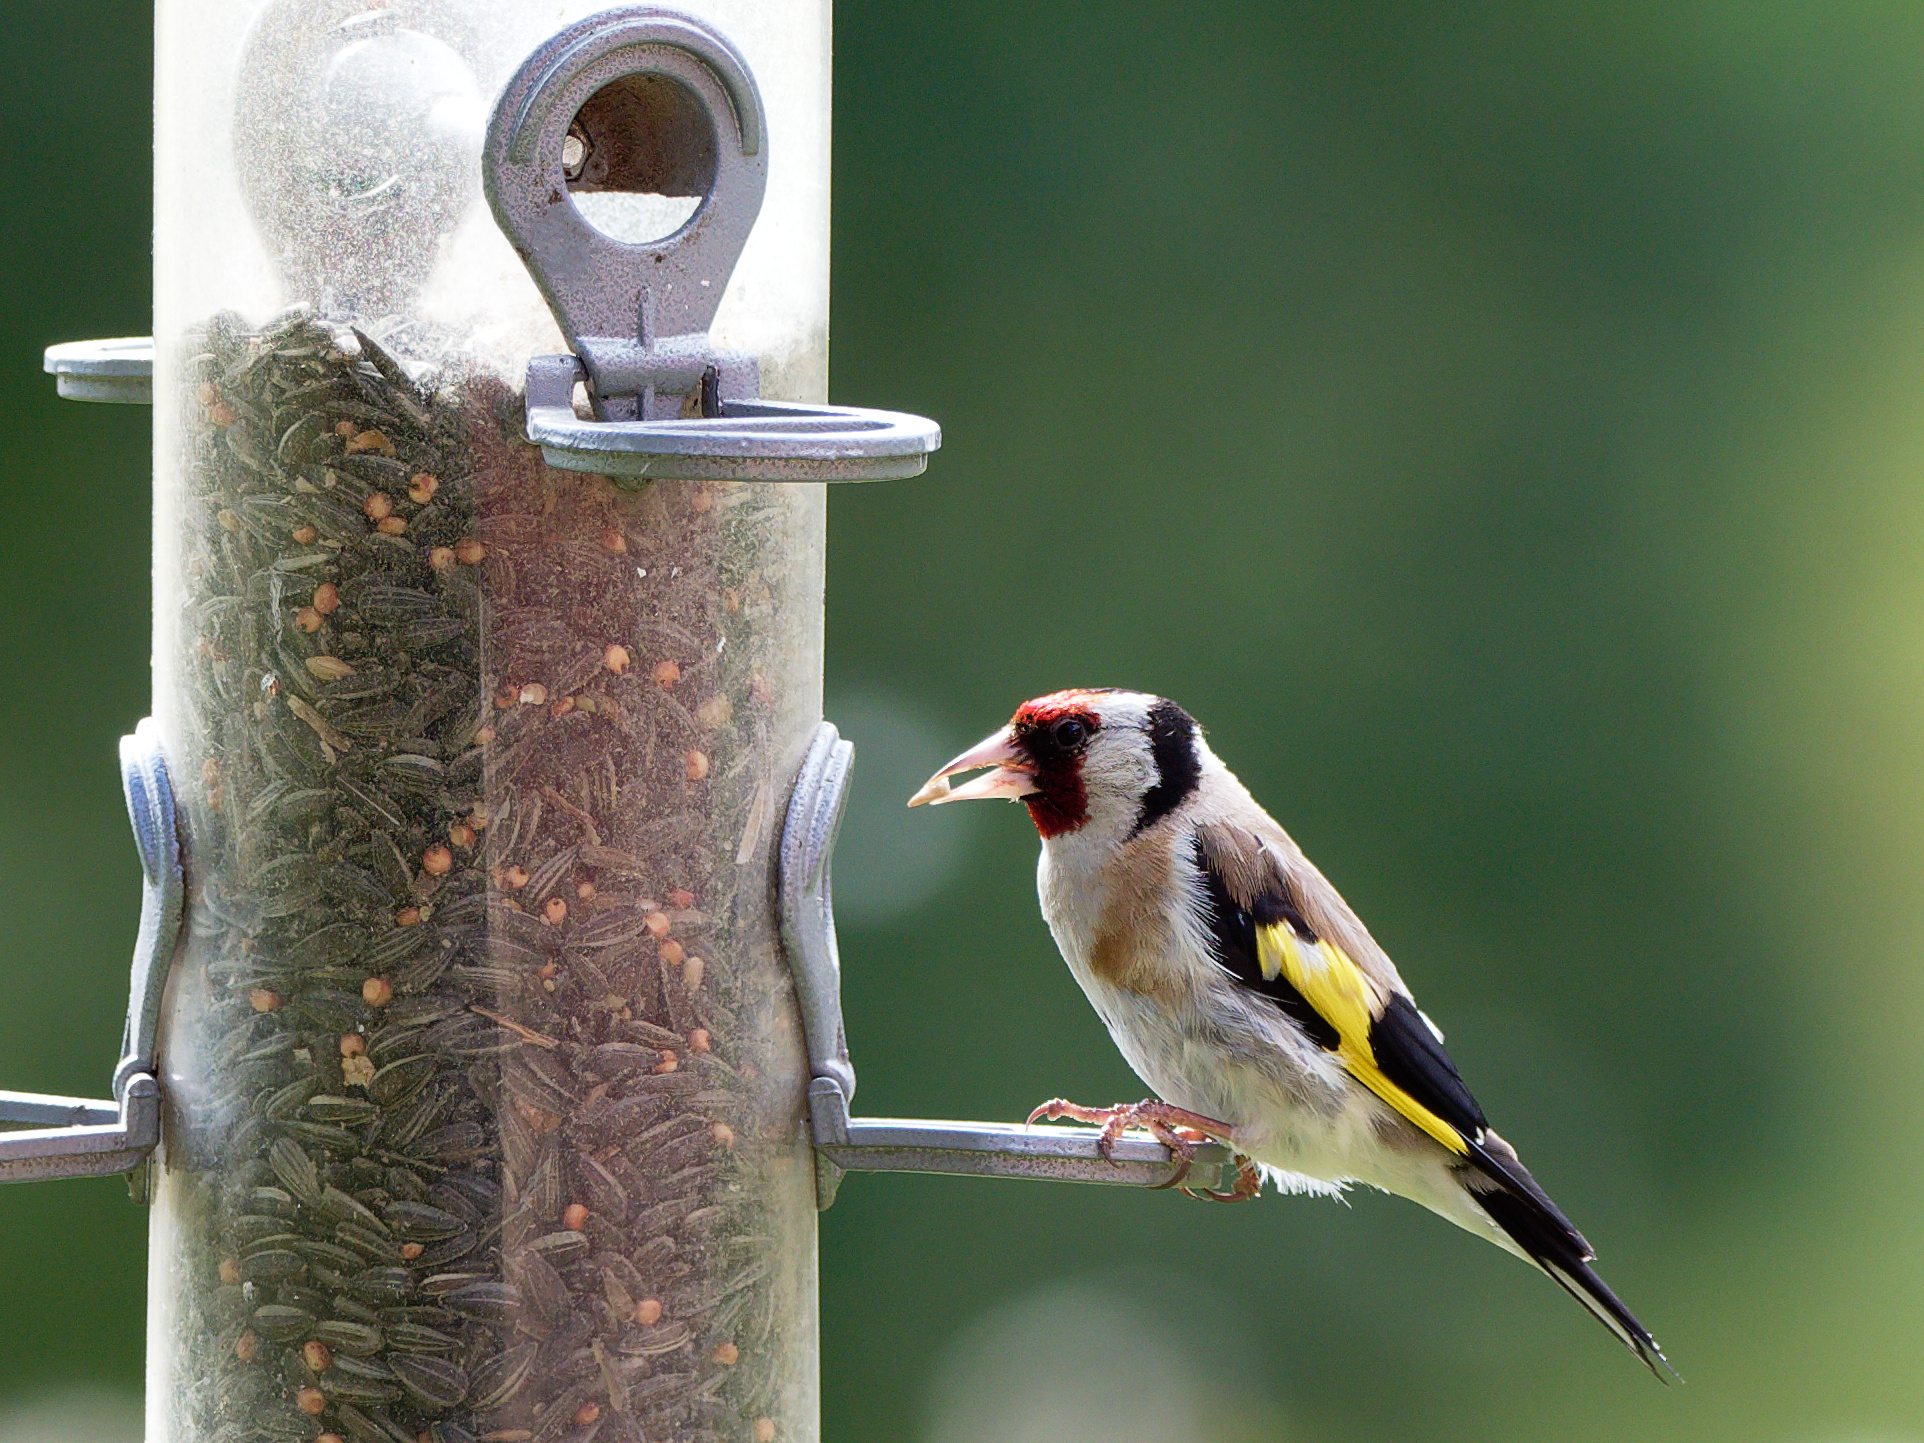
(1405, 1048)
(1233, 926)
(1415, 1061)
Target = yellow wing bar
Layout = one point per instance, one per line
(1346, 999)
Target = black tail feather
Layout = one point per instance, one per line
(1499, 1162)
(1516, 1204)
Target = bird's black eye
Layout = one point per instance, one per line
(1069, 733)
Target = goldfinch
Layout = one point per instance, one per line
(1243, 990)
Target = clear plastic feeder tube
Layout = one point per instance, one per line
(483, 1076)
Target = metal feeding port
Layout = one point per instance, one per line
(665, 402)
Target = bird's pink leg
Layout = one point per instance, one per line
(1159, 1119)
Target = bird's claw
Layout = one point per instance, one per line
(1249, 1182)
(1057, 1108)
(1174, 1127)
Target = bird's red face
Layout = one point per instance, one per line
(1053, 732)
(1037, 757)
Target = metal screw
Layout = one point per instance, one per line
(574, 154)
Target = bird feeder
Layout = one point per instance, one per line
(484, 1066)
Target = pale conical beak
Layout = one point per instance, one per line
(1011, 778)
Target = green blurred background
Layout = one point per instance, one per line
(1503, 426)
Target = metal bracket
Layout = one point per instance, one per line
(846, 1144)
(120, 370)
(639, 99)
(93, 1138)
